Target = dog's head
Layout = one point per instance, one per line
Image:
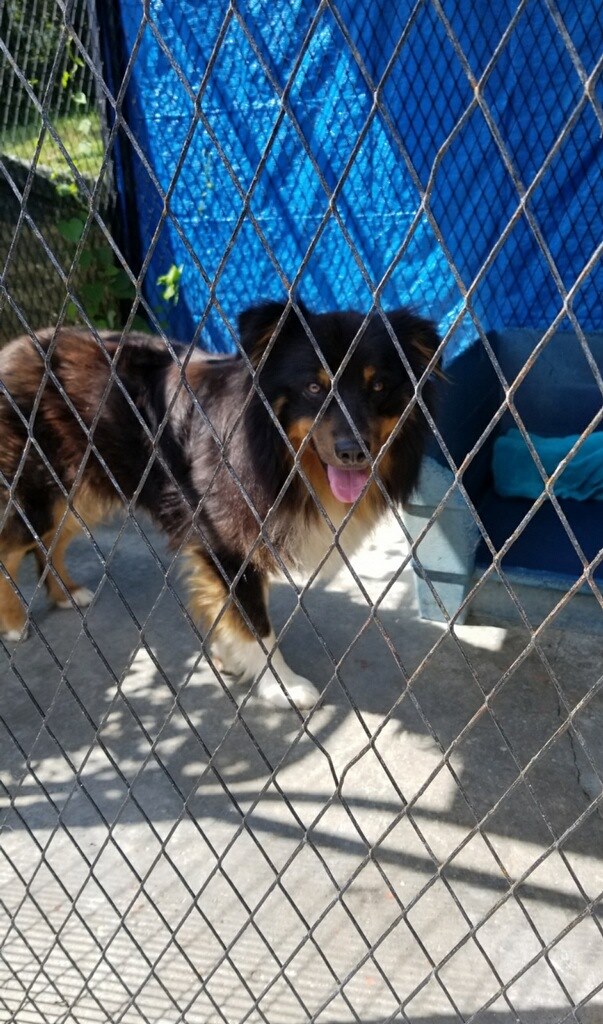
(346, 423)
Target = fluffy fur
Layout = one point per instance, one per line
(257, 461)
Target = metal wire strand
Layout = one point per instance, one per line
(25, 100)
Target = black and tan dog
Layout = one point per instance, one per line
(246, 470)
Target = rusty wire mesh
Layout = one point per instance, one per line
(169, 851)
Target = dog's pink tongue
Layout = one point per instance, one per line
(347, 484)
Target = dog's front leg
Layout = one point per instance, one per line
(229, 610)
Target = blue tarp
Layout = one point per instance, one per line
(250, 157)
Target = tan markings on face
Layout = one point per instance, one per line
(367, 509)
(323, 378)
(209, 597)
(386, 425)
(322, 436)
(369, 373)
(314, 472)
(299, 430)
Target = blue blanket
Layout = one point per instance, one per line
(516, 475)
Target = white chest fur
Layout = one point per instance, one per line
(322, 544)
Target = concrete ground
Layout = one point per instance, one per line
(428, 853)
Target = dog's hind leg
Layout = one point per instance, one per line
(242, 637)
(12, 613)
(62, 589)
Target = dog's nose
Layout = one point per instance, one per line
(349, 452)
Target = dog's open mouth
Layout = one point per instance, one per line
(347, 484)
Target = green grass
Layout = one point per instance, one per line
(80, 134)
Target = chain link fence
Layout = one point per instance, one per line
(52, 143)
(423, 845)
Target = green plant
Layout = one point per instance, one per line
(101, 286)
(35, 33)
(104, 286)
(170, 282)
(69, 73)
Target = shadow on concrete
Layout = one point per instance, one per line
(121, 738)
(118, 701)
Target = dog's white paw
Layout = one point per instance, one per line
(81, 597)
(247, 661)
(11, 636)
(300, 691)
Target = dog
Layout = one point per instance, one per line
(283, 457)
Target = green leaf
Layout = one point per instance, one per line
(104, 256)
(92, 296)
(122, 287)
(109, 272)
(80, 99)
(71, 229)
(171, 283)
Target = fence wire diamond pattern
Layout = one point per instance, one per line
(425, 844)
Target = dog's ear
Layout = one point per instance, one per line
(418, 337)
(258, 323)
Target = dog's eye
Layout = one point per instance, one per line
(377, 385)
(314, 388)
